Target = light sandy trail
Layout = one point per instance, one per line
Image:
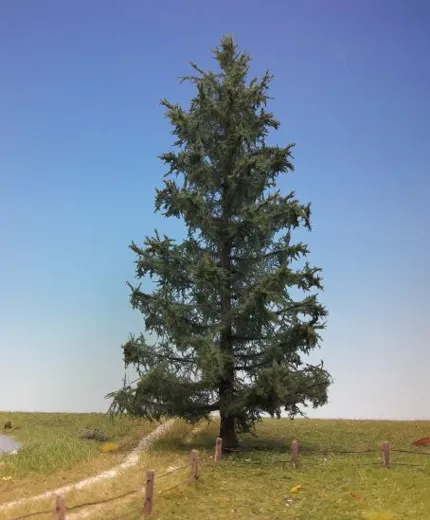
(131, 460)
(91, 511)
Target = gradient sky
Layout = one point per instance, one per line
(80, 132)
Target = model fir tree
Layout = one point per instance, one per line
(230, 331)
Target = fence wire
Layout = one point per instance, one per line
(36, 513)
(412, 452)
(111, 499)
(188, 480)
(104, 501)
(165, 491)
(78, 506)
(167, 473)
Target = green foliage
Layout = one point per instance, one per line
(230, 336)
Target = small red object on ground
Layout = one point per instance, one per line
(422, 442)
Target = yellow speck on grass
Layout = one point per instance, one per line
(109, 447)
(296, 488)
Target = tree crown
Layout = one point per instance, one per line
(230, 336)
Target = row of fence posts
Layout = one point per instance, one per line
(150, 476)
(385, 454)
(218, 457)
(195, 469)
(295, 453)
(386, 449)
(150, 482)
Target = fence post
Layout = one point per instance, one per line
(149, 493)
(60, 508)
(386, 454)
(295, 453)
(218, 450)
(194, 464)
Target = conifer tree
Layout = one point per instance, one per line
(235, 309)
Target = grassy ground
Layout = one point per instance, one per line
(53, 454)
(258, 482)
(171, 453)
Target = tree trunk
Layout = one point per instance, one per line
(228, 432)
(227, 418)
(226, 397)
(226, 384)
(226, 394)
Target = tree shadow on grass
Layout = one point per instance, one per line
(205, 441)
(181, 439)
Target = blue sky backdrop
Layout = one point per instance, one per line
(80, 132)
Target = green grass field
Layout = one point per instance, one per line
(258, 482)
(53, 453)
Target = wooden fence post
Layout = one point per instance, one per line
(386, 454)
(218, 450)
(149, 493)
(194, 464)
(60, 508)
(295, 453)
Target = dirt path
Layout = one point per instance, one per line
(131, 460)
(95, 509)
